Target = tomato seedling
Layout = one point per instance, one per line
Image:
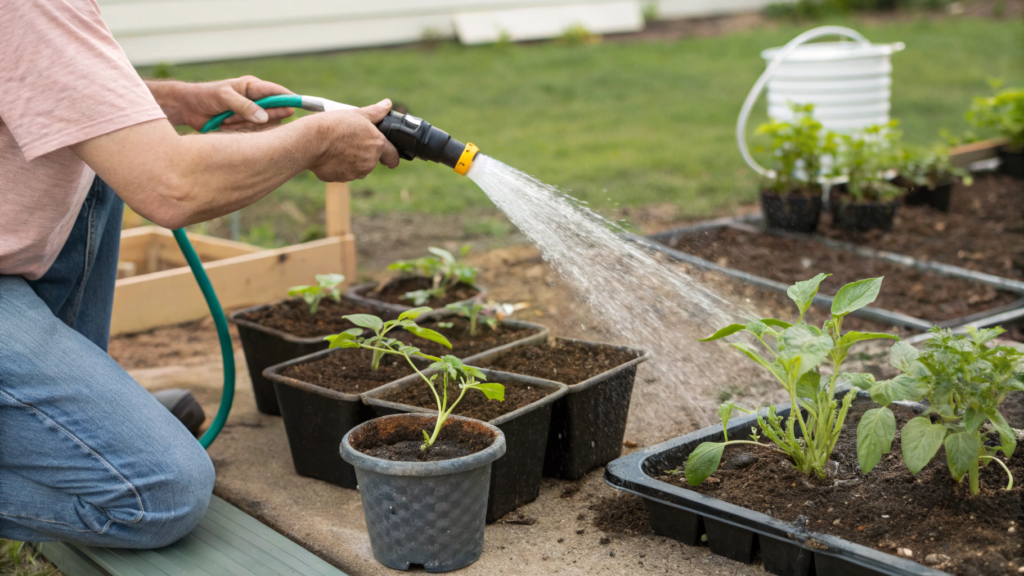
(442, 267)
(797, 148)
(327, 285)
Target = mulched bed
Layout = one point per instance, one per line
(348, 371)
(463, 345)
(292, 316)
(567, 362)
(887, 509)
(474, 404)
(394, 290)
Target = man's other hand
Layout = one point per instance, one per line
(352, 145)
(193, 104)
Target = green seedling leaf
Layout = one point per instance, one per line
(474, 372)
(973, 419)
(414, 313)
(329, 280)
(902, 387)
(491, 390)
(703, 462)
(803, 292)
(366, 321)
(753, 355)
(757, 328)
(903, 355)
(855, 296)
(442, 253)
(808, 384)
(962, 451)
(727, 331)
(428, 334)
(875, 434)
(345, 339)
(805, 343)
(851, 338)
(1006, 435)
(725, 411)
(861, 380)
(776, 323)
(920, 440)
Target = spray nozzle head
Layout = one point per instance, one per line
(416, 138)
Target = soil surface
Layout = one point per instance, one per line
(464, 345)
(402, 443)
(920, 294)
(983, 230)
(474, 404)
(888, 509)
(621, 513)
(292, 316)
(567, 362)
(348, 371)
(395, 289)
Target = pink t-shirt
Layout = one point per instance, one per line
(63, 80)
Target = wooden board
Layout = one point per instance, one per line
(964, 154)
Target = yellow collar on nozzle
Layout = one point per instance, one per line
(466, 160)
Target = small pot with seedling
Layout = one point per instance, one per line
(791, 194)
(292, 328)
(867, 201)
(424, 478)
(435, 280)
(1003, 112)
(929, 175)
(319, 394)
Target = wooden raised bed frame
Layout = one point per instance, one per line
(156, 287)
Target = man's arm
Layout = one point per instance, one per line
(177, 180)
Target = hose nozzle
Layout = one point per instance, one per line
(416, 138)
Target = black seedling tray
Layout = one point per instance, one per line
(739, 533)
(659, 242)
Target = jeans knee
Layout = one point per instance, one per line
(180, 502)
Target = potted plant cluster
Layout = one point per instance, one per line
(868, 200)
(791, 194)
(435, 280)
(929, 175)
(1004, 113)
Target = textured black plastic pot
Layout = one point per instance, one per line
(427, 513)
(265, 347)
(515, 478)
(739, 533)
(362, 294)
(938, 197)
(791, 212)
(589, 423)
(1012, 162)
(860, 216)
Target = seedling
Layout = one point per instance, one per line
(798, 148)
(930, 167)
(327, 285)
(1003, 112)
(964, 381)
(450, 369)
(795, 352)
(866, 157)
(442, 267)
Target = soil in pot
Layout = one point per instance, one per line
(348, 371)
(888, 509)
(292, 316)
(566, 362)
(796, 212)
(402, 443)
(914, 292)
(464, 345)
(395, 288)
(473, 404)
(861, 216)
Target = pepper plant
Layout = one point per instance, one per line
(1004, 112)
(327, 285)
(930, 167)
(964, 380)
(449, 369)
(794, 354)
(865, 158)
(798, 148)
(442, 267)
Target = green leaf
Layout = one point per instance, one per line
(1006, 434)
(852, 337)
(753, 355)
(491, 390)
(855, 296)
(366, 321)
(727, 331)
(703, 462)
(973, 419)
(442, 253)
(902, 387)
(861, 380)
(300, 290)
(875, 434)
(474, 372)
(344, 339)
(426, 437)
(757, 328)
(806, 343)
(920, 440)
(803, 292)
(808, 384)
(902, 355)
(428, 334)
(329, 280)
(962, 451)
(776, 323)
(725, 410)
(414, 313)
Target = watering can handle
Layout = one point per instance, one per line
(769, 72)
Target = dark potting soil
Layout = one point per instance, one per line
(566, 362)
(348, 371)
(983, 230)
(887, 509)
(917, 293)
(621, 513)
(474, 404)
(1013, 409)
(401, 443)
(394, 290)
(292, 316)
(463, 345)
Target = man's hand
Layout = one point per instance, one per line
(187, 104)
(352, 144)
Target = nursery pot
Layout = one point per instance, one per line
(364, 294)
(426, 513)
(860, 216)
(1012, 162)
(516, 477)
(938, 197)
(791, 211)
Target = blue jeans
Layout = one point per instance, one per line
(86, 454)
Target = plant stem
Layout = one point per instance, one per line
(972, 478)
(1000, 462)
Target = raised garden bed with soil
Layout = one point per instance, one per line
(464, 345)
(848, 523)
(588, 424)
(392, 292)
(524, 417)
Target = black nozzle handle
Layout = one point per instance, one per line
(416, 138)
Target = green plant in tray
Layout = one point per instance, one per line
(798, 148)
(449, 369)
(865, 158)
(964, 380)
(1002, 112)
(930, 167)
(442, 267)
(794, 353)
(327, 286)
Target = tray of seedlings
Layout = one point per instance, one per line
(435, 280)
(918, 295)
(907, 476)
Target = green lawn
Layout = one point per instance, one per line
(616, 123)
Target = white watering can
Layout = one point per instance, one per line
(849, 83)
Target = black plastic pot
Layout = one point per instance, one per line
(362, 294)
(589, 423)
(740, 533)
(426, 513)
(938, 197)
(791, 212)
(1012, 162)
(860, 216)
(515, 478)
